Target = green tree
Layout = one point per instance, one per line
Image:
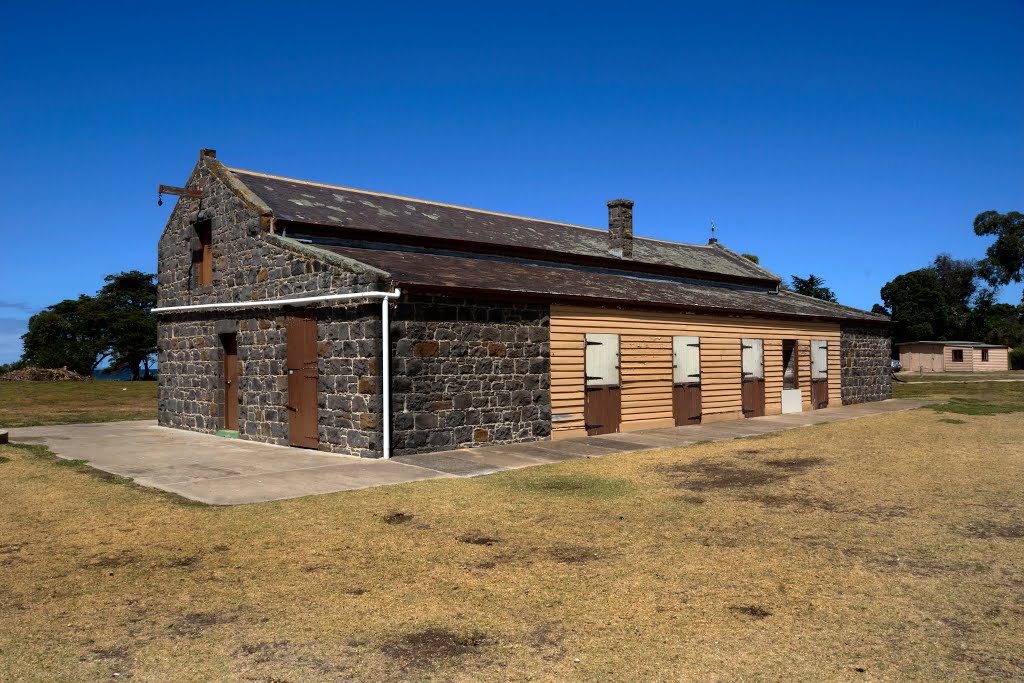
(73, 333)
(1004, 260)
(812, 285)
(962, 294)
(82, 333)
(752, 257)
(917, 303)
(132, 328)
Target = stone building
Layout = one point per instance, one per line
(358, 322)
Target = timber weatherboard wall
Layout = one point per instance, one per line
(939, 358)
(646, 363)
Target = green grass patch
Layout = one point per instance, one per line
(3, 459)
(36, 449)
(26, 404)
(575, 485)
(976, 406)
(61, 462)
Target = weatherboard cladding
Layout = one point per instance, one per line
(325, 205)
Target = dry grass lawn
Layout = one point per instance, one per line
(23, 404)
(884, 549)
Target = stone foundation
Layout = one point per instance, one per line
(865, 354)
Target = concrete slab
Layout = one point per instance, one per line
(222, 471)
(458, 466)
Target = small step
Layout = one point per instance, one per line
(227, 433)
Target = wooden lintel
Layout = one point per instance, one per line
(181, 192)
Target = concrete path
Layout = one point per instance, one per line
(221, 471)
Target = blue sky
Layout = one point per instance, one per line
(854, 141)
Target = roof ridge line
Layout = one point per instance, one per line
(412, 199)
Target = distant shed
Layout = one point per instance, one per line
(953, 356)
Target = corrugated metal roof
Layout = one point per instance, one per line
(566, 282)
(332, 206)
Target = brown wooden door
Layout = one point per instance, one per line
(819, 374)
(230, 342)
(819, 393)
(686, 404)
(302, 380)
(602, 401)
(753, 397)
(752, 377)
(602, 410)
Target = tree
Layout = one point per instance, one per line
(82, 333)
(73, 333)
(752, 257)
(1004, 261)
(132, 331)
(962, 293)
(917, 303)
(812, 285)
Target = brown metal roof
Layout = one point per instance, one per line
(565, 282)
(329, 206)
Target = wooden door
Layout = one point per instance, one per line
(230, 343)
(819, 374)
(686, 394)
(302, 380)
(602, 403)
(752, 377)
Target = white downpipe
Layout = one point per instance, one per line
(385, 335)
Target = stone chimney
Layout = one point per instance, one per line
(620, 228)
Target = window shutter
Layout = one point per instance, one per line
(819, 359)
(686, 360)
(602, 360)
(753, 358)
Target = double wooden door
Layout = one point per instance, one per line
(602, 398)
(303, 376)
(752, 378)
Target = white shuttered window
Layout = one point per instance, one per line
(602, 360)
(753, 358)
(819, 359)
(686, 360)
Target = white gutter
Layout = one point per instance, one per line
(385, 334)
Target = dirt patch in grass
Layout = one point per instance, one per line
(752, 611)
(573, 554)
(953, 421)
(477, 538)
(795, 500)
(194, 623)
(122, 559)
(989, 529)
(714, 474)
(397, 518)
(432, 646)
(101, 653)
(264, 651)
(691, 498)
(795, 464)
